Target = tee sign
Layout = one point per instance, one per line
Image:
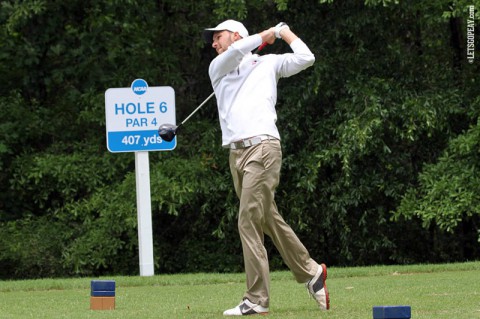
(134, 114)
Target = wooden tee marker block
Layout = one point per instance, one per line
(392, 312)
(102, 295)
(102, 303)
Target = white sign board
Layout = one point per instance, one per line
(134, 114)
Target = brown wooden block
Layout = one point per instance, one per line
(102, 303)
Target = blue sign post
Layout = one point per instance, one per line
(133, 116)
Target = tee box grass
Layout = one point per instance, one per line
(447, 291)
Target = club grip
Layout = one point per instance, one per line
(263, 45)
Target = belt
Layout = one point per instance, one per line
(249, 142)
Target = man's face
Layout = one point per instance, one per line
(222, 40)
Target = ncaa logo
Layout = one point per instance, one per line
(139, 86)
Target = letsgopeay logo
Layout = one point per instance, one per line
(139, 86)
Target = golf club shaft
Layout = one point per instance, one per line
(198, 108)
(260, 48)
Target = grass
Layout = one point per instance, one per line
(433, 292)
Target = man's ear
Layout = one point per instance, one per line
(236, 36)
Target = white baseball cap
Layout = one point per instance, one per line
(229, 25)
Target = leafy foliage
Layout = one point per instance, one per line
(448, 189)
(380, 137)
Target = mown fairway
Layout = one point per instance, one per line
(433, 291)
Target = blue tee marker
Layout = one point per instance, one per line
(392, 312)
(102, 288)
(102, 294)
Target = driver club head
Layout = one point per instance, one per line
(167, 132)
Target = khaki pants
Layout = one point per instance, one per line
(256, 173)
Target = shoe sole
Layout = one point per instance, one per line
(253, 314)
(324, 279)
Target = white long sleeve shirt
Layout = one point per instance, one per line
(245, 86)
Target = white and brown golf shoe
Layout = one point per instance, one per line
(246, 308)
(318, 288)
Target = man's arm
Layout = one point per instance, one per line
(288, 36)
(301, 58)
(231, 58)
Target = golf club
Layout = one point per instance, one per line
(168, 131)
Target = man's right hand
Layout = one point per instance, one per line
(283, 31)
(268, 35)
(279, 28)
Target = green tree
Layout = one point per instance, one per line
(380, 136)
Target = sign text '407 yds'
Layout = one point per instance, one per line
(141, 140)
(137, 110)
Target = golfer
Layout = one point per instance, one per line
(245, 85)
